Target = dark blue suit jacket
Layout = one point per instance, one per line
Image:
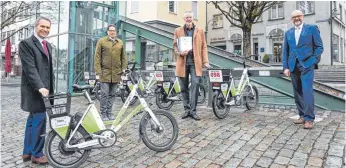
(309, 48)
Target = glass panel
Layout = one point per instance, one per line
(310, 7)
(335, 47)
(274, 12)
(194, 9)
(59, 57)
(280, 10)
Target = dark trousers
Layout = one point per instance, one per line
(108, 91)
(34, 134)
(302, 80)
(190, 102)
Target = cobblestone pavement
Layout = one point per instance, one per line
(264, 137)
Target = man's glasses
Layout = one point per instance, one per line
(111, 30)
(294, 17)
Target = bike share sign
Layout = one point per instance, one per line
(159, 76)
(215, 76)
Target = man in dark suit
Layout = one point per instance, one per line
(37, 81)
(302, 52)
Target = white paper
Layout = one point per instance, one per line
(184, 44)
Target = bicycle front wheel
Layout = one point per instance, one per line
(58, 156)
(157, 138)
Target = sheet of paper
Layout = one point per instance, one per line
(184, 43)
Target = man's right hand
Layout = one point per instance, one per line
(184, 53)
(44, 92)
(287, 72)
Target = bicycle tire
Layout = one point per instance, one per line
(145, 138)
(216, 103)
(256, 95)
(52, 161)
(158, 103)
(123, 97)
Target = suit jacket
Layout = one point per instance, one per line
(308, 51)
(200, 52)
(37, 72)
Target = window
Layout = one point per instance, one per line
(340, 10)
(218, 21)
(342, 49)
(134, 6)
(335, 48)
(13, 38)
(172, 6)
(3, 36)
(276, 11)
(307, 7)
(260, 18)
(234, 15)
(194, 9)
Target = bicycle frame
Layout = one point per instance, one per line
(237, 91)
(92, 123)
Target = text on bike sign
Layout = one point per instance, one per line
(215, 76)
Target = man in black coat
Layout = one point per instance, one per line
(37, 81)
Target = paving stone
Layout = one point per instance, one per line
(286, 153)
(248, 162)
(282, 160)
(255, 154)
(334, 161)
(173, 164)
(233, 162)
(190, 163)
(314, 161)
(271, 153)
(264, 162)
(277, 166)
(336, 150)
(203, 163)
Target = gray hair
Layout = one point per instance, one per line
(188, 13)
(41, 18)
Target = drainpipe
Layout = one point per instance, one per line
(331, 32)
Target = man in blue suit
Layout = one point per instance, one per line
(302, 52)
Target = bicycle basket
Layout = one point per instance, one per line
(58, 105)
(219, 75)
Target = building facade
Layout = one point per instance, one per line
(166, 15)
(268, 33)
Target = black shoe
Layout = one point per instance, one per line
(195, 117)
(185, 115)
(104, 117)
(110, 116)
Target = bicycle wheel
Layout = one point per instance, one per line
(58, 156)
(125, 93)
(251, 99)
(220, 109)
(169, 128)
(201, 94)
(162, 102)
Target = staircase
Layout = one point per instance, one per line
(330, 74)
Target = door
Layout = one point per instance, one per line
(255, 48)
(277, 52)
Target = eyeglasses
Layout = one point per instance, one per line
(293, 17)
(111, 30)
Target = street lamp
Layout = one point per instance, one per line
(333, 12)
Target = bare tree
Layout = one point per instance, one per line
(13, 12)
(243, 14)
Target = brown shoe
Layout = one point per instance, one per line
(40, 160)
(299, 121)
(26, 158)
(308, 125)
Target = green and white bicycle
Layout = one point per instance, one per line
(169, 90)
(71, 139)
(226, 94)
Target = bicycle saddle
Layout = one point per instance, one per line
(81, 86)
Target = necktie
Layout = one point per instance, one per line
(45, 47)
(297, 34)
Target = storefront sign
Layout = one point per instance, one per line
(218, 39)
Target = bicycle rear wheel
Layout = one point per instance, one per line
(152, 135)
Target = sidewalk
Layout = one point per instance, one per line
(264, 137)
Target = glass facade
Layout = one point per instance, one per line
(75, 30)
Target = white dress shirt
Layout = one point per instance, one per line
(298, 30)
(39, 39)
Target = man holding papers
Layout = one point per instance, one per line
(191, 52)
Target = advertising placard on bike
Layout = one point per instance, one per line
(215, 76)
(158, 75)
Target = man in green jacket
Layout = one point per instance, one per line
(110, 59)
